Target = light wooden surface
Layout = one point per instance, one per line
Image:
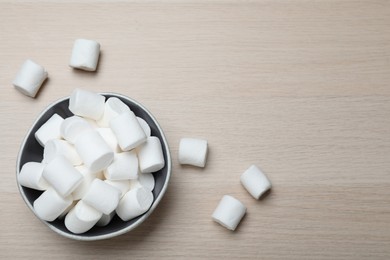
(300, 88)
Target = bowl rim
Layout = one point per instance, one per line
(118, 232)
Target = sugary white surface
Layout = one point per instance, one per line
(112, 108)
(72, 127)
(123, 186)
(150, 155)
(82, 218)
(134, 203)
(49, 205)
(49, 130)
(110, 138)
(102, 196)
(86, 104)
(229, 212)
(105, 219)
(56, 147)
(146, 180)
(82, 188)
(85, 55)
(124, 167)
(145, 126)
(193, 151)
(29, 78)
(255, 181)
(30, 176)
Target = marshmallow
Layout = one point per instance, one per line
(72, 127)
(93, 150)
(123, 186)
(124, 167)
(92, 123)
(102, 196)
(112, 108)
(30, 78)
(49, 205)
(255, 181)
(82, 218)
(145, 126)
(229, 212)
(30, 176)
(66, 211)
(86, 104)
(193, 152)
(49, 130)
(146, 180)
(109, 138)
(56, 147)
(127, 130)
(61, 174)
(134, 203)
(150, 155)
(134, 184)
(105, 219)
(85, 55)
(82, 188)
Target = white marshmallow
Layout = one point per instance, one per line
(102, 196)
(82, 218)
(112, 108)
(145, 126)
(109, 138)
(229, 212)
(193, 152)
(85, 55)
(72, 127)
(62, 176)
(49, 130)
(30, 78)
(255, 181)
(82, 188)
(146, 180)
(105, 219)
(123, 186)
(56, 147)
(49, 205)
(66, 211)
(92, 123)
(30, 176)
(134, 203)
(93, 150)
(127, 130)
(124, 167)
(150, 155)
(86, 104)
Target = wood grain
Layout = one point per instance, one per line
(300, 88)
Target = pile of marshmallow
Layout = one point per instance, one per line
(96, 164)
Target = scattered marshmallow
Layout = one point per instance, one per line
(93, 150)
(56, 147)
(150, 155)
(105, 219)
(124, 167)
(82, 188)
(30, 176)
(127, 130)
(102, 196)
(30, 78)
(72, 127)
(62, 176)
(134, 203)
(86, 104)
(49, 130)
(112, 108)
(255, 181)
(193, 151)
(49, 205)
(82, 218)
(229, 212)
(85, 55)
(123, 185)
(110, 138)
(145, 126)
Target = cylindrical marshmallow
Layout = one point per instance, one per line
(49, 205)
(92, 122)
(112, 108)
(124, 167)
(193, 152)
(127, 130)
(82, 218)
(72, 127)
(93, 150)
(85, 55)
(49, 130)
(86, 104)
(56, 147)
(30, 78)
(145, 126)
(150, 155)
(134, 203)
(255, 181)
(146, 180)
(82, 188)
(66, 211)
(62, 176)
(30, 176)
(105, 219)
(123, 186)
(229, 212)
(102, 196)
(109, 138)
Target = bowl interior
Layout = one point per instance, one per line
(31, 150)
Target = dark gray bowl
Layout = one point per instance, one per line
(30, 150)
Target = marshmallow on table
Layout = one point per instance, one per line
(93, 150)
(134, 203)
(229, 212)
(150, 155)
(124, 185)
(72, 127)
(82, 218)
(86, 104)
(110, 138)
(49, 130)
(56, 147)
(124, 167)
(145, 126)
(82, 188)
(105, 219)
(62, 176)
(112, 108)
(193, 151)
(85, 55)
(30, 176)
(30, 78)
(255, 181)
(49, 205)
(102, 196)
(127, 130)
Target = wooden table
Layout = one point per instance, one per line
(299, 88)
